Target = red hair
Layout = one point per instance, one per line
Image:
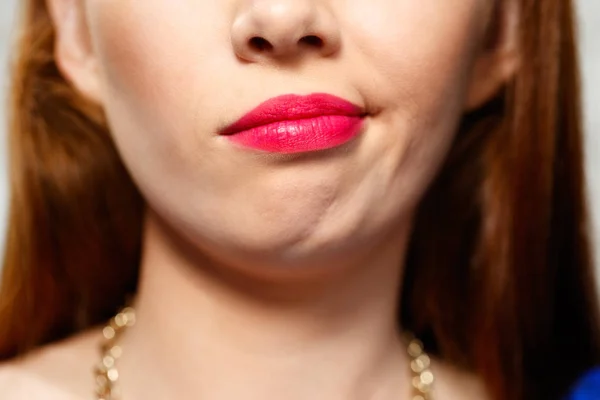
(498, 280)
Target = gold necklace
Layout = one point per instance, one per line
(107, 375)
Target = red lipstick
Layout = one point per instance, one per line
(295, 124)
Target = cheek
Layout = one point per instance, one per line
(418, 57)
(154, 55)
(126, 36)
(158, 63)
(420, 52)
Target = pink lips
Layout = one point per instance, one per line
(294, 124)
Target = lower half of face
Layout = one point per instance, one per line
(174, 75)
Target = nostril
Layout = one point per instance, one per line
(312, 41)
(260, 44)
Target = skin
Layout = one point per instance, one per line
(263, 274)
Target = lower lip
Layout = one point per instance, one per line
(303, 135)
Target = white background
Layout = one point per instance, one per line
(589, 12)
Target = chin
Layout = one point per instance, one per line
(280, 253)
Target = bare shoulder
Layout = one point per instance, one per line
(60, 371)
(455, 384)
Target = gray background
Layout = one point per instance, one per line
(589, 11)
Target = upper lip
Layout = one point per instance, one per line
(293, 107)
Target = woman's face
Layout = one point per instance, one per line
(172, 74)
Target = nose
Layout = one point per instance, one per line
(284, 29)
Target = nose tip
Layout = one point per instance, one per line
(284, 29)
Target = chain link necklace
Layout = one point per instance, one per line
(107, 375)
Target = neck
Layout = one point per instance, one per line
(202, 335)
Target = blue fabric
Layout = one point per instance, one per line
(588, 387)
